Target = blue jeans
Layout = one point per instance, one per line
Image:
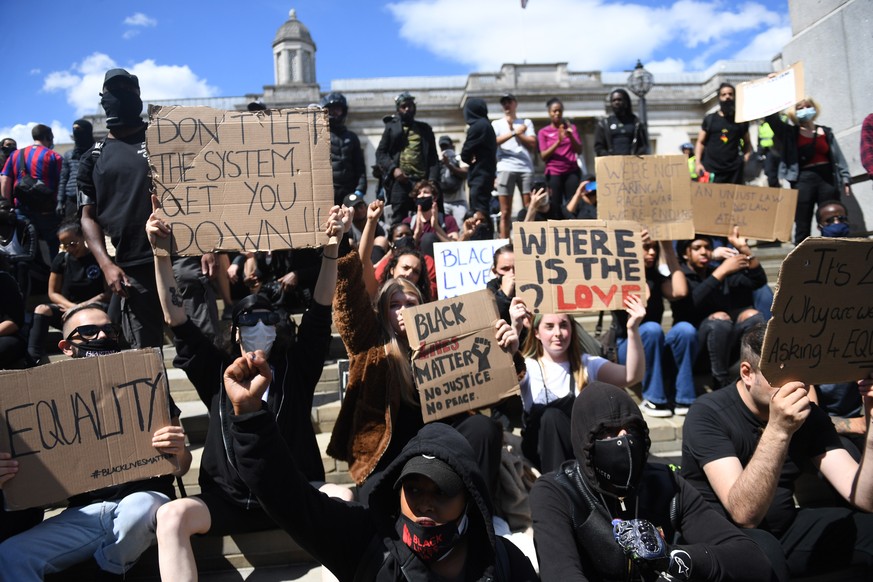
(115, 533)
(682, 341)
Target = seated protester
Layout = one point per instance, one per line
(833, 219)
(13, 349)
(226, 505)
(75, 279)
(665, 279)
(583, 204)
(19, 244)
(428, 224)
(608, 514)
(503, 283)
(359, 222)
(402, 260)
(719, 302)
(114, 524)
(429, 516)
(477, 226)
(381, 410)
(558, 370)
(745, 446)
(541, 207)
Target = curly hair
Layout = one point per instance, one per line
(423, 282)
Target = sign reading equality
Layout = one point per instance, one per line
(574, 266)
(654, 191)
(822, 325)
(456, 361)
(240, 180)
(83, 424)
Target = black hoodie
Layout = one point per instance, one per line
(572, 514)
(361, 543)
(480, 145)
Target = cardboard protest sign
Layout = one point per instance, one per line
(464, 266)
(574, 266)
(761, 213)
(240, 180)
(654, 191)
(761, 97)
(456, 362)
(822, 325)
(83, 424)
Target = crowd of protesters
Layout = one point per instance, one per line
(429, 500)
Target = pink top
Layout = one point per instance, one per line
(563, 160)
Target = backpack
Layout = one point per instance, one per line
(32, 192)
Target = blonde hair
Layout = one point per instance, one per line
(792, 111)
(396, 347)
(533, 348)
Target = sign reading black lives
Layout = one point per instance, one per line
(456, 360)
(83, 424)
(239, 180)
(822, 326)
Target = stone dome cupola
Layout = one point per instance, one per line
(293, 53)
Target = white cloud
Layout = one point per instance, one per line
(21, 132)
(140, 19)
(588, 34)
(766, 45)
(83, 82)
(129, 34)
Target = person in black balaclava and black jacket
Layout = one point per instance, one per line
(611, 515)
(83, 140)
(429, 516)
(621, 133)
(480, 153)
(346, 155)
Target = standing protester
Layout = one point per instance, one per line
(452, 176)
(406, 154)
(346, 155)
(560, 146)
(811, 161)
(480, 153)
(7, 146)
(516, 140)
(721, 141)
(83, 140)
(621, 133)
(35, 201)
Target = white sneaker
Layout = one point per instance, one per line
(680, 409)
(656, 410)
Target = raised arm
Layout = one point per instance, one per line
(171, 300)
(338, 223)
(365, 250)
(634, 369)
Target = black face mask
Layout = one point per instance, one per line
(123, 108)
(426, 203)
(728, 107)
(431, 543)
(618, 463)
(404, 242)
(96, 347)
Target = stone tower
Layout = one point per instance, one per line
(293, 67)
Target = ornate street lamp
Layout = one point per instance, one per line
(640, 82)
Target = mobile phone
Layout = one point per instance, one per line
(539, 185)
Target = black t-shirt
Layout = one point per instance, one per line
(82, 278)
(720, 425)
(622, 135)
(722, 147)
(654, 306)
(118, 184)
(162, 484)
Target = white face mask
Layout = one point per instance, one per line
(257, 337)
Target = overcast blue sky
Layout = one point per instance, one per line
(55, 57)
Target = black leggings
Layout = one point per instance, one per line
(562, 187)
(815, 186)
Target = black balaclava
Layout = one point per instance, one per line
(612, 466)
(122, 105)
(83, 137)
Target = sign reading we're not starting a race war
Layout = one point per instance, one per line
(456, 362)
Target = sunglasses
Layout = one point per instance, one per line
(251, 318)
(89, 332)
(833, 219)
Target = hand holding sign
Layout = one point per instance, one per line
(156, 229)
(170, 440)
(506, 336)
(246, 380)
(636, 311)
(8, 468)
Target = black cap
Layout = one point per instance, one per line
(353, 200)
(508, 97)
(114, 74)
(444, 476)
(445, 141)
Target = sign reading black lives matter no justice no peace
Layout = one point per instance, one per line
(456, 360)
(83, 424)
(576, 266)
(239, 180)
(822, 326)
